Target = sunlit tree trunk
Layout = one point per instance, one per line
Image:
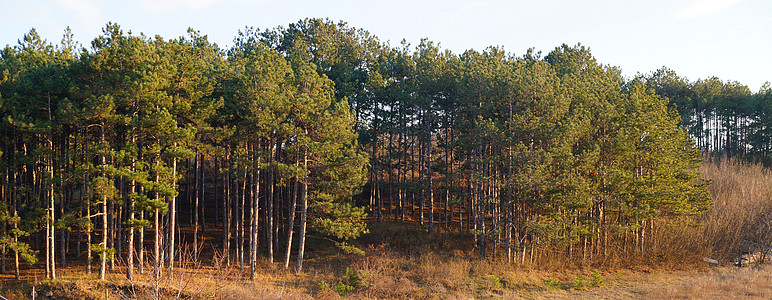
(103, 256)
(172, 214)
(130, 244)
(254, 220)
(303, 215)
(291, 221)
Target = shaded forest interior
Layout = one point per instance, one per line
(134, 148)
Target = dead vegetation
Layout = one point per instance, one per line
(740, 220)
(402, 261)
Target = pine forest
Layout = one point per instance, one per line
(139, 155)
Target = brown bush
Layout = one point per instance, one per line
(738, 222)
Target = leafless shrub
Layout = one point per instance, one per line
(186, 278)
(740, 221)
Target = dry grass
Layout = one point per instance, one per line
(404, 262)
(394, 275)
(718, 283)
(740, 218)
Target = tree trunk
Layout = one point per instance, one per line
(64, 232)
(157, 244)
(390, 172)
(421, 175)
(198, 169)
(113, 219)
(103, 256)
(216, 190)
(52, 230)
(303, 215)
(16, 241)
(3, 247)
(241, 220)
(480, 205)
(88, 233)
(254, 220)
(401, 175)
(228, 215)
(270, 208)
(156, 252)
(141, 245)
(197, 166)
(199, 190)
(429, 172)
(130, 245)
(508, 237)
(172, 214)
(374, 193)
(291, 221)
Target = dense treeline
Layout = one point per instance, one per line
(103, 147)
(722, 117)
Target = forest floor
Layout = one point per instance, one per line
(401, 263)
(715, 283)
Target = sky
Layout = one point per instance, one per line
(698, 39)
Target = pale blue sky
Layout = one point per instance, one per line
(730, 39)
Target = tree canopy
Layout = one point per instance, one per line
(321, 120)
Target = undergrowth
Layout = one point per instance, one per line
(403, 261)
